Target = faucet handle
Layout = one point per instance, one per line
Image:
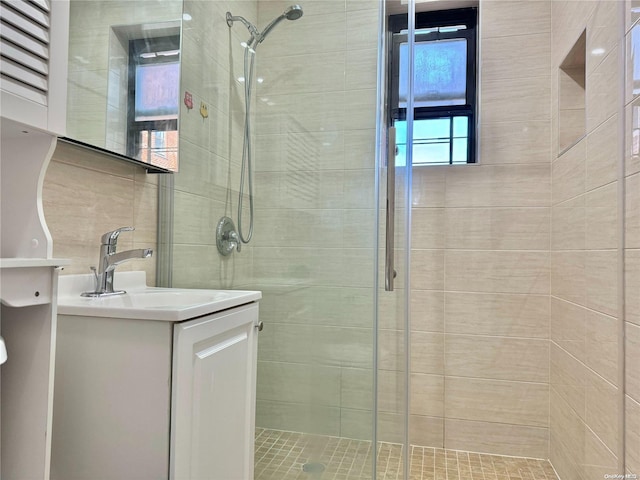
(111, 238)
(95, 278)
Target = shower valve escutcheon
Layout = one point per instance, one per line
(226, 237)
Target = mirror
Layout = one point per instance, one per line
(124, 79)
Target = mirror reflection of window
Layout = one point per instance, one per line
(153, 103)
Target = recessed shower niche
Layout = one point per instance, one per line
(571, 96)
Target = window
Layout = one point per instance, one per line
(152, 118)
(444, 87)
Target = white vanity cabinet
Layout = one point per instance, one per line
(150, 400)
(214, 378)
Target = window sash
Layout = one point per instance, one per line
(441, 19)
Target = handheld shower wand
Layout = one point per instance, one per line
(294, 12)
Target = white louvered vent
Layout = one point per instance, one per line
(24, 48)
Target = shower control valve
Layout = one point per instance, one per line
(226, 237)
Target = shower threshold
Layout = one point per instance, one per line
(281, 455)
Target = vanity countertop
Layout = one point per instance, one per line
(143, 302)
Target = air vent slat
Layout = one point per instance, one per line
(43, 4)
(30, 11)
(23, 57)
(9, 32)
(23, 90)
(24, 48)
(23, 75)
(25, 24)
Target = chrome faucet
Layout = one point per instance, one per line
(109, 260)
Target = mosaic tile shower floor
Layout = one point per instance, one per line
(283, 455)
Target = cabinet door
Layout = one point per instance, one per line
(214, 381)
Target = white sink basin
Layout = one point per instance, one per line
(146, 303)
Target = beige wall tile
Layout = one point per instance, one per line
(497, 314)
(427, 353)
(568, 327)
(360, 68)
(497, 228)
(498, 438)
(391, 350)
(308, 227)
(297, 39)
(514, 142)
(516, 56)
(311, 73)
(497, 271)
(198, 266)
(601, 345)
(499, 358)
(317, 305)
(568, 225)
(598, 459)
(568, 276)
(632, 434)
(300, 151)
(299, 383)
(356, 424)
(428, 228)
(516, 99)
(359, 148)
(568, 174)
(632, 351)
(427, 431)
(567, 439)
(427, 395)
(392, 391)
(569, 20)
(568, 378)
(602, 410)
(602, 217)
(427, 269)
(602, 85)
(390, 427)
(356, 388)
(602, 32)
(310, 112)
(362, 29)
(632, 211)
(632, 286)
(498, 186)
(349, 268)
(428, 186)
(497, 401)
(427, 311)
(602, 157)
(504, 18)
(76, 184)
(297, 417)
(291, 343)
(601, 280)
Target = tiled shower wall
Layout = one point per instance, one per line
(585, 313)
(480, 257)
(206, 188)
(313, 248)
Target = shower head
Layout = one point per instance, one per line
(294, 12)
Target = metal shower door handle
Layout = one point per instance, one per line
(391, 208)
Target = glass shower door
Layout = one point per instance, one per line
(393, 307)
